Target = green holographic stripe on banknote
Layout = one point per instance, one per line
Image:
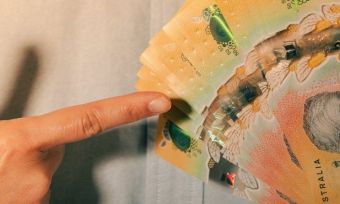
(218, 25)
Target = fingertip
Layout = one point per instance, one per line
(159, 105)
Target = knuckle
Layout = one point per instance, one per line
(45, 181)
(40, 190)
(9, 147)
(13, 137)
(7, 153)
(91, 123)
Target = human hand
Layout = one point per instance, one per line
(32, 148)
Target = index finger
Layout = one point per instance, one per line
(82, 121)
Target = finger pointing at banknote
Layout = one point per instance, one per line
(32, 148)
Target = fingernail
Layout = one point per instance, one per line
(160, 105)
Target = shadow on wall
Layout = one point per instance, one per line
(74, 183)
(28, 72)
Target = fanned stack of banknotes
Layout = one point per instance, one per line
(255, 86)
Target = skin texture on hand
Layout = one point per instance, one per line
(31, 149)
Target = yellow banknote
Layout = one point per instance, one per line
(309, 116)
(149, 81)
(212, 56)
(164, 57)
(193, 157)
(263, 85)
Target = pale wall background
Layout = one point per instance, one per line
(64, 52)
